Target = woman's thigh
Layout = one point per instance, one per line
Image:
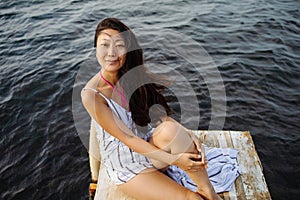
(173, 138)
(154, 185)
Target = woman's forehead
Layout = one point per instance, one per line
(111, 34)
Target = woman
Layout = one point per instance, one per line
(135, 154)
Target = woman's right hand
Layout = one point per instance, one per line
(188, 161)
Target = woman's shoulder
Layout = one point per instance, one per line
(92, 93)
(90, 90)
(92, 97)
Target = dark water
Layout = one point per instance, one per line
(254, 44)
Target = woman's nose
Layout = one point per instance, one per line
(111, 51)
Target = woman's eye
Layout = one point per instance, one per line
(120, 45)
(104, 45)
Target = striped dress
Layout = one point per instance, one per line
(222, 170)
(122, 164)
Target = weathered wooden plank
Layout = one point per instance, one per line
(239, 188)
(249, 185)
(223, 140)
(252, 176)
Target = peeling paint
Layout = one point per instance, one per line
(251, 184)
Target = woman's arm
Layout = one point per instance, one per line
(94, 154)
(98, 109)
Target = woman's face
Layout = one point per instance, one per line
(111, 50)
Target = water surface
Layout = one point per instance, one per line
(254, 44)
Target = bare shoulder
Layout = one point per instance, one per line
(89, 92)
(90, 96)
(92, 100)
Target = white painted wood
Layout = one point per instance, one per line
(255, 186)
(250, 185)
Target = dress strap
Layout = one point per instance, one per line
(93, 89)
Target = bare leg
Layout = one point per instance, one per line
(173, 138)
(154, 185)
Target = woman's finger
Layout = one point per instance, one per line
(195, 140)
(197, 143)
(203, 154)
(195, 157)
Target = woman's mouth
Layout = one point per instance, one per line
(112, 61)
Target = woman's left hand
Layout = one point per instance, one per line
(188, 161)
(199, 148)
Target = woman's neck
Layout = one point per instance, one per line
(119, 91)
(111, 77)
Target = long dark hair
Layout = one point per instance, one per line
(146, 95)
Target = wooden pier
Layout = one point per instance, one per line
(250, 185)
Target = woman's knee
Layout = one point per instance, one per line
(166, 131)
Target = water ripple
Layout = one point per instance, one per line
(255, 45)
